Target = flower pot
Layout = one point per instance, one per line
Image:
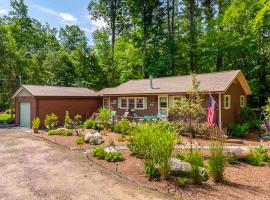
(35, 130)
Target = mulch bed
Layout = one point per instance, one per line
(242, 181)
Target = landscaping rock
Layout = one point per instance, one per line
(182, 168)
(90, 136)
(110, 149)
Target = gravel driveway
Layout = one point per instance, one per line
(31, 168)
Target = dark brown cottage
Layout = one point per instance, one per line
(153, 96)
(33, 101)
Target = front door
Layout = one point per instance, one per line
(25, 114)
(163, 105)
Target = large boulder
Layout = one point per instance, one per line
(93, 136)
(182, 168)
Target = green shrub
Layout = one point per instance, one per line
(114, 156)
(69, 123)
(10, 111)
(78, 121)
(195, 158)
(5, 118)
(93, 141)
(36, 123)
(152, 172)
(105, 116)
(64, 132)
(154, 143)
(90, 123)
(179, 156)
(99, 152)
(123, 126)
(79, 140)
(217, 161)
(266, 109)
(239, 130)
(121, 138)
(51, 121)
(181, 181)
(232, 160)
(257, 156)
(247, 115)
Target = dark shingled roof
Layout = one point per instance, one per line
(58, 91)
(209, 82)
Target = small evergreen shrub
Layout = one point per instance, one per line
(36, 123)
(181, 181)
(195, 158)
(217, 161)
(239, 130)
(257, 156)
(65, 132)
(123, 126)
(79, 140)
(51, 121)
(114, 156)
(99, 152)
(90, 123)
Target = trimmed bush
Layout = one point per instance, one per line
(5, 118)
(79, 140)
(217, 161)
(195, 158)
(123, 126)
(257, 156)
(90, 123)
(99, 152)
(65, 132)
(51, 121)
(114, 156)
(239, 130)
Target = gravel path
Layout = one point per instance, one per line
(31, 168)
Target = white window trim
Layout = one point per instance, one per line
(229, 102)
(135, 102)
(242, 101)
(108, 101)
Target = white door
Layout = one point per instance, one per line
(25, 114)
(163, 105)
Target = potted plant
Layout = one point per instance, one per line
(35, 124)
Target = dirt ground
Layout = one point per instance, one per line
(31, 168)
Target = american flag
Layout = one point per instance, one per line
(211, 111)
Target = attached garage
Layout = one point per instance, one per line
(33, 101)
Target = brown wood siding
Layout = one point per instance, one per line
(82, 106)
(232, 115)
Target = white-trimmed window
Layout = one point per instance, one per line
(131, 103)
(227, 101)
(123, 102)
(106, 102)
(139, 103)
(242, 101)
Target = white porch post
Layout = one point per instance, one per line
(219, 111)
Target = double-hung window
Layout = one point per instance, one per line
(123, 102)
(227, 101)
(139, 103)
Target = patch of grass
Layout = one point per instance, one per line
(5, 118)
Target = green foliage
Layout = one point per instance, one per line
(152, 172)
(217, 161)
(111, 142)
(266, 109)
(99, 152)
(68, 121)
(247, 115)
(93, 141)
(181, 181)
(123, 126)
(10, 111)
(114, 156)
(105, 116)
(239, 130)
(78, 121)
(90, 123)
(36, 123)
(51, 121)
(195, 158)
(65, 132)
(79, 140)
(5, 118)
(232, 159)
(154, 143)
(257, 156)
(121, 138)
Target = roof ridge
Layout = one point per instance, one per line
(60, 86)
(238, 70)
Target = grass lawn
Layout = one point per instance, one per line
(4, 118)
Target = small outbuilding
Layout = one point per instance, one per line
(33, 101)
